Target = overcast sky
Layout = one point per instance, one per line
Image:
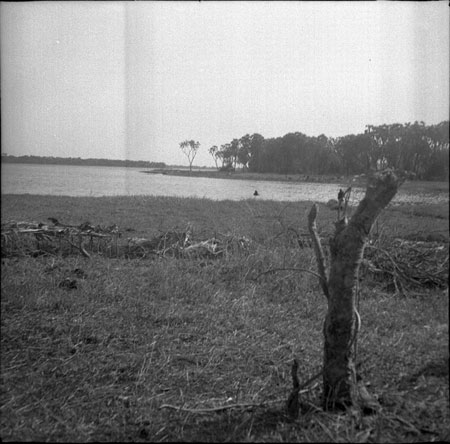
(131, 80)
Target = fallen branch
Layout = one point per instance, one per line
(80, 247)
(219, 408)
(231, 406)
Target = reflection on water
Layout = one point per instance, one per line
(111, 181)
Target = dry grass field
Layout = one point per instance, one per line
(170, 347)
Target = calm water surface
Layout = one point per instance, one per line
(111, 181)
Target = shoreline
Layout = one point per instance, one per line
(272, 177)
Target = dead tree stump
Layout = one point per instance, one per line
(342, 322)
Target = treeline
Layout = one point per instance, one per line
(79, 161)
(419, 149)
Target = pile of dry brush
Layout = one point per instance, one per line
(36, 239)
(404, 264)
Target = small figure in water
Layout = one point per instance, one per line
(256, 193)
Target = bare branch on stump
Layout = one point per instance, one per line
(340, 388)
(312, 227)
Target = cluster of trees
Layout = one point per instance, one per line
(422, 150)
(79, 161)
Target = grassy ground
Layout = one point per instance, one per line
(99, 362)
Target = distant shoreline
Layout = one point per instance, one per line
(76, 161)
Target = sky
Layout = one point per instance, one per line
(131, 80)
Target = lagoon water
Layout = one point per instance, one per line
(73, 180)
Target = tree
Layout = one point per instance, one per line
(354, 153)
(342, 322)
(287, 153)
(244, 152)
(437, 137)
(255, 152)
(234, 151)
(219, 155)
(190, 149)
(268, 160)
(226, 156)
(214, 151)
